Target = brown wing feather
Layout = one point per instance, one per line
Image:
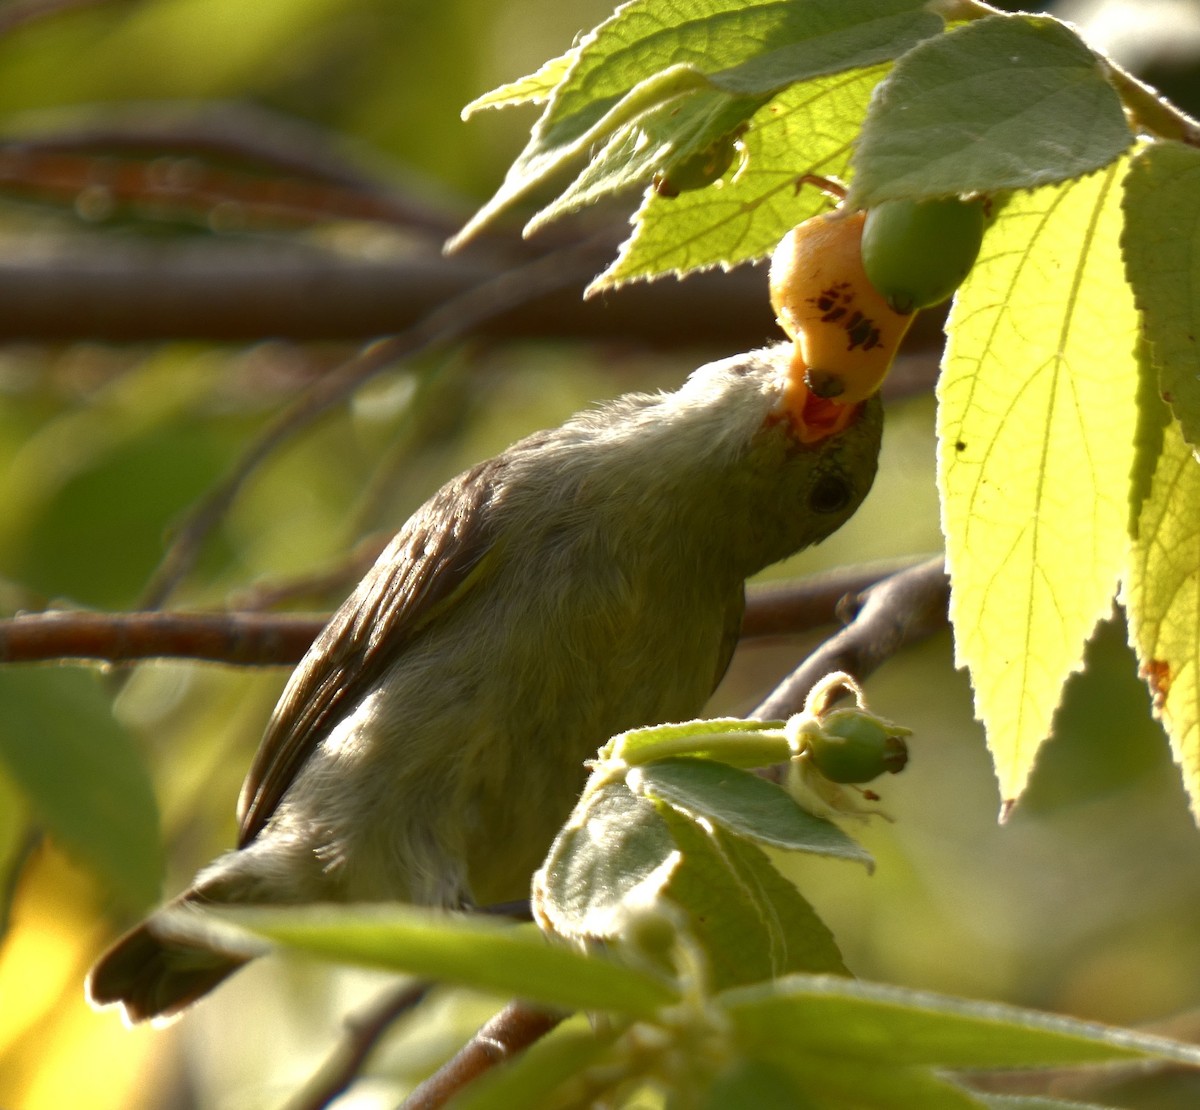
(433, 557)
(731, 635)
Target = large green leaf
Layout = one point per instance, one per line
(884, 1025)
(483, 953)
(645, 56)
(1005, 102)
(807, 128)
(1036, 425)
(1162, 259)
(83, 775)
(1162, 598)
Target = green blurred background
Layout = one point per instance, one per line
(1087, 901)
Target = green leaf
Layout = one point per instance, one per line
(751, 922)
(1153, 418)
(743, 804)
(754, 1085)
(1162, 599)
(17, 837)
(865, 1085)
(644, 55)
(83, 775)
(1032, 1102)
(659, 137)
(482, 953)
(882, 1025)
(614, 851)
(1162, 259)
(807, 128)
(533, 89)
(1036, 429)
(1002, 103)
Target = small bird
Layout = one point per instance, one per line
(588, 580)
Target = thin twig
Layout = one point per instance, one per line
(788, 608)
(363, 1033)
(512, 1030)
(898, 611)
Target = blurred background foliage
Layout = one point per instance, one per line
(1087, 901)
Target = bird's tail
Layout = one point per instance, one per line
(153, 973)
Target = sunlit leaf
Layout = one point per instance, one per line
(1033, 1102)
(533, 89)
(482, 953)
(84, 777)
(1004, 102)
(1036, 426)
(1162, 259)
(808, 128)
(658, 137)
(644, 56)
(1162, 599)
(887, 1025)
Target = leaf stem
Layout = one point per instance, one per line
(1150, 110)
(739, 748)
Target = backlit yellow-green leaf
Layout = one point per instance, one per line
(1162, 597)
(1036, 431)
(809, 128)
(534, 89)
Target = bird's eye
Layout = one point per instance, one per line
(829, 494)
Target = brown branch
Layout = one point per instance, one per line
(240, 133)
(93, 286)
(247, 638)
(512, 1030)
(363, 1033)
(892, 614)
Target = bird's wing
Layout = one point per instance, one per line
(439, 554)
(732, 633)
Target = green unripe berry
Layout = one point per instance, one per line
(855, 746)
(916, 253)
(700, 168)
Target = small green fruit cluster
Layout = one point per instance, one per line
(855, 746)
